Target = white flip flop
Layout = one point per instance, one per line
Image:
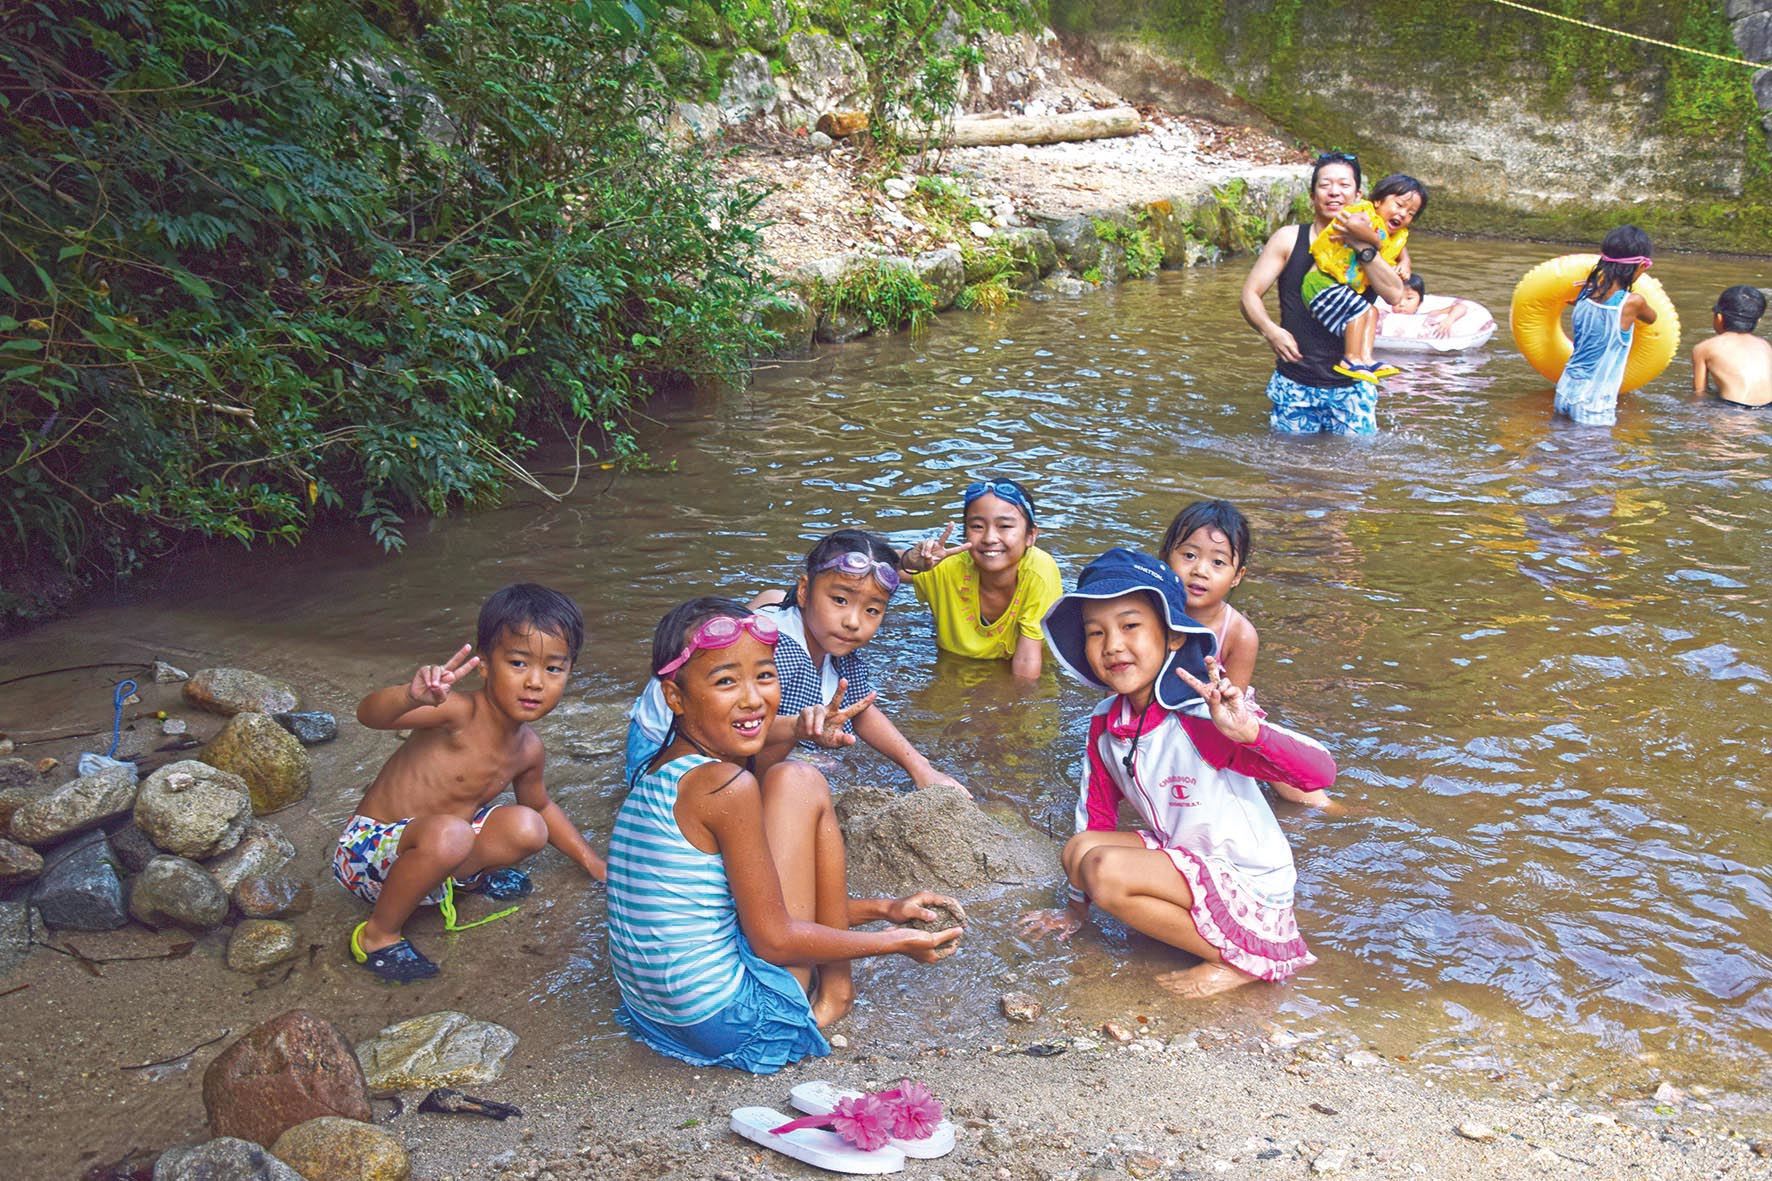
(818, 1147)
(820, 1098)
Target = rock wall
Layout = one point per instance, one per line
(1519, 124)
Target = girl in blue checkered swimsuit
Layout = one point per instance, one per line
(700, 922)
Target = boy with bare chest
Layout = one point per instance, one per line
(427, 827)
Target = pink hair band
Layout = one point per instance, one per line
(1635, 259)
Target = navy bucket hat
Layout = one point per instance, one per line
(1119, 572)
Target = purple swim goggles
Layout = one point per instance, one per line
(855, 564)
(722, 631)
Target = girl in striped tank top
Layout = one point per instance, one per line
(699, 923)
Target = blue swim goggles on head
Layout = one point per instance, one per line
(1002, 490)
(855, 564)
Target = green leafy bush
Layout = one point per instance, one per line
(1143, 254)
(267, 263)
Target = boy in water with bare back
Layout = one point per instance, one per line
(1736, 361)
(427, 827)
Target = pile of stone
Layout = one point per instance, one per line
(183, 848)
(290, 1100)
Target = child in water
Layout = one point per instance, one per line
(1207, 546)
(1335, 290)
(989, 593)
(1436, 324)
(1602, 324)
(1736, 361)
(699, 921)
(1212, 873)
(827, 695)
(427, 827)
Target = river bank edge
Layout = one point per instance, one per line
(840, 298)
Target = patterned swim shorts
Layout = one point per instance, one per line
(368, 847)
(1300, 409)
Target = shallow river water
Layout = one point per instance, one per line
(1540, 654)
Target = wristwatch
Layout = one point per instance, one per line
(1366, 254)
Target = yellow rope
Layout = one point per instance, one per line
(1734, 61)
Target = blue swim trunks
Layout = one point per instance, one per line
(1301, 409)
(367, 849)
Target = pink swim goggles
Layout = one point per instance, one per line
(855, 564)
(1639, 260)
(722, 631)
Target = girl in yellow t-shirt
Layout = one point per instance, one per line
(989, 593)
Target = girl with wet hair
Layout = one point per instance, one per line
(700, 922)
(1605, 313)
(989, 593)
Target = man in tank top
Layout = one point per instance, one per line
(1308, 396)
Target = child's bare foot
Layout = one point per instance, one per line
(1203, 980)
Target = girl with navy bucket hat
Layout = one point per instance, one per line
(1212, 873)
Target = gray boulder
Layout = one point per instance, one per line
(262, 849)
(1075, 241)
(75, 806)
(943, 273)
(825, 73)
(174, 892)
(193, 809)
(229, 691)
(310, 727)
(167, 674)
(748, 89)
(80, 889)
(791, 316)
(133, 848)
(1113, 263)
(937, 839)
(226, 1159)
(1033, 252)
(18, 863)
(1065, 285)
(11, 800)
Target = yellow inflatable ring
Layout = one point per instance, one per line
(1536, 318)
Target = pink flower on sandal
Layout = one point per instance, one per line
(869, 1121)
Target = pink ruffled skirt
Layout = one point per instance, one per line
(1251, 933)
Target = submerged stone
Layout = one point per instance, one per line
(257, 944)
(231, 691)
(291, 1069)
(333, 1149)
(268, 757)
(224, 1159)
(446, 1049)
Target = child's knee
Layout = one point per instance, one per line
(525, 827)
(1098, 880)
(796, 784)
(447, 838)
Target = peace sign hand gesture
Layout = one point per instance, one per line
(1232, 713)
(823, 724)
(431, 683)
(927, 554)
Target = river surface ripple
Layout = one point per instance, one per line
(1539, 652)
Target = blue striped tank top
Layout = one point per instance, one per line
(673, 923)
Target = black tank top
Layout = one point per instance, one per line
(1320, 347)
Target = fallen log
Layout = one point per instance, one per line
(972, 131)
